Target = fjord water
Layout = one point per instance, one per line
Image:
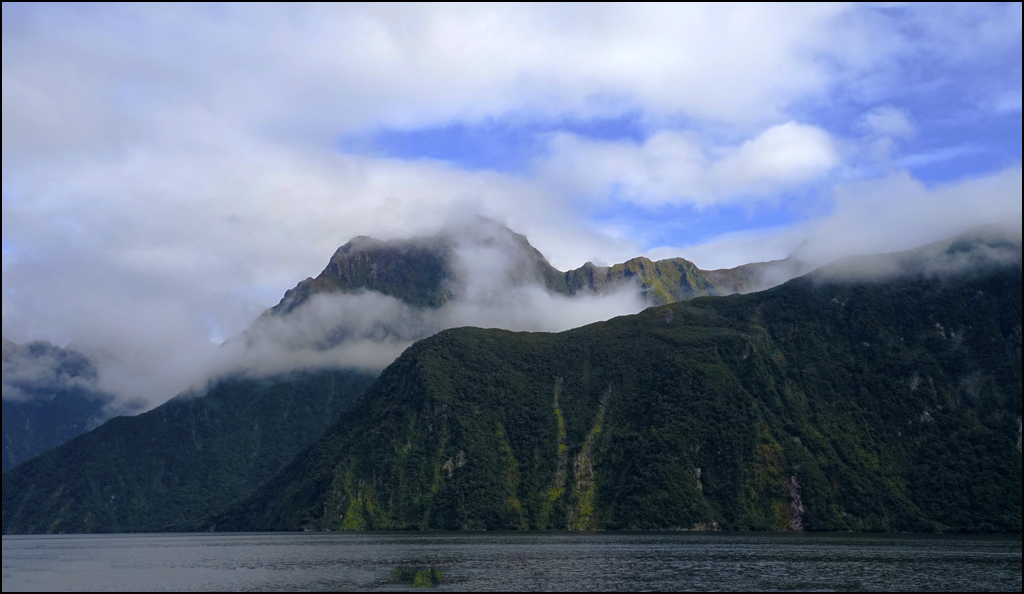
(513, 561)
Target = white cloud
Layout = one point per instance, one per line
(672, 167)
(786, 155)
(495, 285)
(888, 120)
(883, 130)
(168, 171)
(104, 73)
(149, 256)
(880, 216)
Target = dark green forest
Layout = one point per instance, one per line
(818, 405)
(888, 403)
(173, 467)
(55, 398)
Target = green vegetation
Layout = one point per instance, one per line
(660, 283)
(50, 396)
(817, 405)
(822, 404)
(417, 576)
(415, 272)
(172, 468)
(34, 426)
(665, 281)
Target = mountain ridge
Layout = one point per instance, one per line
(420, 272)
(587, 394)
(822, 404)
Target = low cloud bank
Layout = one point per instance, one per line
(496, 285)
(497, 282)
(39, 370)
(976, 251)
(893, 214)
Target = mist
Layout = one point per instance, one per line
(163, 187)
(496, 282)
(496, 285)
(976, 251)
(39, 372)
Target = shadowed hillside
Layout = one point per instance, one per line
(50, 396)
(172, 467)
(833, 402)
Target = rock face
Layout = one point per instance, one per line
(49, 396)
(661, 282)
(425, 272)
(417, 272)
(794, 403)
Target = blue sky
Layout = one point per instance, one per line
(171, 170)
(961, 112)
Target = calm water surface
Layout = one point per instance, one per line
(491, 561)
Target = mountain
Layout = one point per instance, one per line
(172, 467)
(378, 297)
(661, 282)
(50, 395)
(426, 273)
(878, 394)
(756, 276)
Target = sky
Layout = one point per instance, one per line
(169, 171)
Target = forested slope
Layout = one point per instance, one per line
(889, 404)
(171, 468)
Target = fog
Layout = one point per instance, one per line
(892, 214)
(39, 370)
(496, 284)
(976, 251)
(170, 170)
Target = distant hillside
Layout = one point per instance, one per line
(877, 395)
(50, 396)
(174, 466)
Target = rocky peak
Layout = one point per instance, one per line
(424, 271)
(427, 272)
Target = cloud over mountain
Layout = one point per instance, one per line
(169, 171)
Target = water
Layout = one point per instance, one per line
(516, 561)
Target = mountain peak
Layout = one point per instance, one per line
(430, 271)
(425, 271)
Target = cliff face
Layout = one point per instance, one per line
(426, 272)
(417, 272)
(889, 404)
